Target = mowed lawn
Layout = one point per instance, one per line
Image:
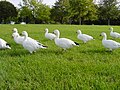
(87, 67)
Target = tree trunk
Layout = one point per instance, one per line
(70, 21)
(108, 21)
(80, 21)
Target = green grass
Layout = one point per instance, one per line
(87, 67)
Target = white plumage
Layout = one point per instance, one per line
(15, 30)
(114, 34)
(4, 44)
(17, 38)
(63, 42)
(49, 35)
(30, 44)
(110, 44)
(84, 37)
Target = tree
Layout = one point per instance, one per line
(7, 11)
(40, 12)
(25, 15)
(108, 10)
(59, 12)
(83, 10)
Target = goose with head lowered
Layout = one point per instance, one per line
(109, 44)
(84, 37)
(30, 44)
(114, 34)
(63, 42)
(48, 35)
(4, 44)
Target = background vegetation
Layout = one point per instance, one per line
(63, 12)
(86, 67)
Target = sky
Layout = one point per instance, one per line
(47, 2)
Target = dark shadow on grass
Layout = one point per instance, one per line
(99, 51)
(14, 53)
(47, 51)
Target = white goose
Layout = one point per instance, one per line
(50, 36)
(4, 44)
(17, 38)
(15, 30)
(84, 37)
(63, 42)
(30, 44)
(114, 34)
(110, 44)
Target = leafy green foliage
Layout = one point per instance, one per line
(25, 14)
(7, 10)
(109, 10)
(88, 66)
(37, 11)
(83, 9)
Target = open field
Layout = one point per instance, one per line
(87, 67)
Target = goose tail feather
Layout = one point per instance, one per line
(77, 43)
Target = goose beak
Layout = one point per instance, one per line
(100, 35)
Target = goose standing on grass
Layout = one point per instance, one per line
(84, 37)
(4, 44)
(63, 42)
(110, 44)
(50, 36)
(17, 38)
(30, 44)
(114, 34)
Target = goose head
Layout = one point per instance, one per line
(111, 29)
(24, 33)
(46, 30)
(15, 30)
(79, 32)
(57, 33)
(15, 35)
(104, 35)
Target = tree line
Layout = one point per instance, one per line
(63, 12)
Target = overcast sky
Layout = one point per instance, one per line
(47, 2)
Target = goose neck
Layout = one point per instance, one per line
(26, 36)
(57, 35)
(105, 37)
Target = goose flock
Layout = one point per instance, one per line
(33, 45)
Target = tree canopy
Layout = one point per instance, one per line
(7, 10)
(108, 10)
(63, 12)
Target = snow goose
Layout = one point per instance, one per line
(50, 36)
(4, 44)
(15, 30)
(17, 38)
(110, 44)
(114, 34)
(30, 44)
(84, 37)
(63, 42)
